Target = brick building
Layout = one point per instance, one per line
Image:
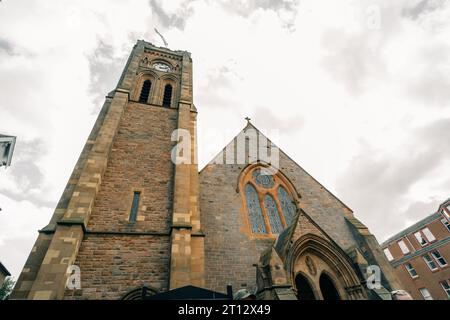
(420, 255)
(131, 217)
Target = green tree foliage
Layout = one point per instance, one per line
(6, 288)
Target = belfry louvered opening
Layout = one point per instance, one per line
(167, 99)
(145, 91)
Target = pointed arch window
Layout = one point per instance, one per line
(287, 205)
(145, 91)
(270, 207)
(254, 210)
(272, 212)
(167, 99)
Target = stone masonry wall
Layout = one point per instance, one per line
(112, 265)
(139, 161)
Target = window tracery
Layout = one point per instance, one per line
(269, 204)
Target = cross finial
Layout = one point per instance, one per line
(248, 119)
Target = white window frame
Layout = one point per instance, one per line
(426, 295)
(403, 247)
(445, 213)
(439, 257)
(429, 262)
(428, 234)
(388, 254)
(420, 237)
(409, 267)
(446, 224)
(446, 287)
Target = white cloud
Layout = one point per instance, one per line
(19, 223)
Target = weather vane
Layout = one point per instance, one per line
(164, 40)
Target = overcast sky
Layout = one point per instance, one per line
(359, 92)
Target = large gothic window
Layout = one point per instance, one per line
(270, 207)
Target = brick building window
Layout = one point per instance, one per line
(439, 258)
(430, 237)
(446, 212)
(167, 99)
(270, 207)
(446, 223)
(425, 294)
(430, 262)
(446, 286)
(145, 91)
(420, 238)
(388, 254)
(135, 206)
(412, 272)
(403, 247)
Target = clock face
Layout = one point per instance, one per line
(161, 67)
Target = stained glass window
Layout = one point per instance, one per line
(270, 206)
(254, 210)
(287, 205)
(263, 180)
(272, 212)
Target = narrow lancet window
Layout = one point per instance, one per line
(254, 210)
(287, 205)
(135, 206)
(272, 212)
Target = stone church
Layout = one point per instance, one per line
(131, 218)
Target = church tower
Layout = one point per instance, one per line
(129, 215)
